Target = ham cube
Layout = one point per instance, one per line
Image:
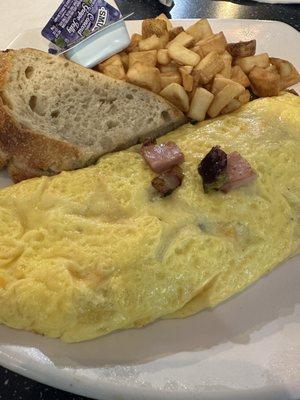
(239, 172)
(162, 157)
(168, 181)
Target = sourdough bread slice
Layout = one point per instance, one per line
(56, 115)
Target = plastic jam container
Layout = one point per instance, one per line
(86, 31)
(100, 45)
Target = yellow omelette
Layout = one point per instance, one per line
(91, 251)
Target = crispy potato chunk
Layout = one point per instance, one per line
(288, 74)
(244, 97)
(163, 57)
(219, 83)
(215, 43)
(125, 59)
(223, 98)
(227, 59)
(183, 38)
(182, 55)
(113, 67)
(170, 77)
(187, 79)
(166, 19)
(208, 86)
(175, 32)
(247, 63)
(115, 71)
(233, 105)
(242, 49)
(134, 45)
(239, 76)
(171, 67)
(145, 76)
(151, 43)
(113, 60)
(177, 96)
(148, 57)
(264, 82)
(154, 26)
(200, 30)
(200, 103)
(208, 68)
(197, 49)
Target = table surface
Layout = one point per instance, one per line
(13, 386)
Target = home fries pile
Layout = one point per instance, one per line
(197, 70)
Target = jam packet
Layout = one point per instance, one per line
(75, 20)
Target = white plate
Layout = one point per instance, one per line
(246, 348)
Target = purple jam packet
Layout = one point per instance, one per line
(75, 20)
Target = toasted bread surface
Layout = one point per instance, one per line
(56, 115)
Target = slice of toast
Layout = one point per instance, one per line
(56, 115)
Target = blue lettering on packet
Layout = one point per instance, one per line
(74, 20)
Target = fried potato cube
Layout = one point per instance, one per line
(177, 96)
(215, 43)
(163, 57)
(208, 68)
(170, 77)
(200, 103)
(208, 86)
(148, 57)
(244, 97)
(151, 43)
(223, 98)
(197, 49)
(125, 59)
(264, 82)
(233, 105)
(166, 19)
(239, 76)
(153, 26)
(134, 45)
(187, 68)
(115, 71)
(187, 79)
(113, 60)
(219, 83)
(200, 30)
(157, 27)
(182, 55)
(242, 49)
(227, 59)
(183, 38)
(113, 67)
(171, 67)
(247, 63)
(145, 76)
(288, 74)
(175, 32)
(191, 94)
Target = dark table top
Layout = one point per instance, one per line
(13, 386)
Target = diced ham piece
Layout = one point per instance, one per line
(238, 171)
(162, 157)
(168, 181)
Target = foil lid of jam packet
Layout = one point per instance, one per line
(75, 20)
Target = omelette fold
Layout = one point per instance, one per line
(91, 251)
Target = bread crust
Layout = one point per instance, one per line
(28, 153)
